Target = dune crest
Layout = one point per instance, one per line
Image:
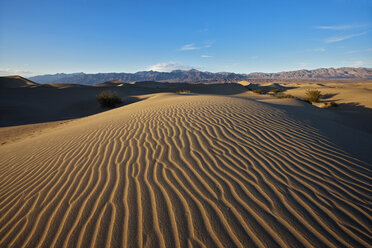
(181, 171)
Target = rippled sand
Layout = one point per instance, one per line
(184, 171)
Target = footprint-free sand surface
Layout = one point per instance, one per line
(189, 171)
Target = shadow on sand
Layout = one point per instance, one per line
(327, 96)
(45, 103)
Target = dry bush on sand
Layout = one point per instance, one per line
(108, 99)
(313, 95)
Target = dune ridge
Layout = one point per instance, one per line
(179, 171)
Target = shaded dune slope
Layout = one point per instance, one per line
(22, 103)
(179, 171)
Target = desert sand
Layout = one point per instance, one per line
(197, 170)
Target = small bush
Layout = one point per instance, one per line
(258, 91)
(282, 95)
(108, 99)
(274, 91)
(183, 92)
(313, 95)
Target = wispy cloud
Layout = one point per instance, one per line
(321, 49)
(168, 67)
(11, 72)
(189, 47)
(193, 46)
(204, 30)
(341, 27)
(206, 56)
(342, 38)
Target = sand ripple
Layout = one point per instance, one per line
(179, 171)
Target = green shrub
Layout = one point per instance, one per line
(313, 95)
(258, 91)
(108, 99)
(282, 95)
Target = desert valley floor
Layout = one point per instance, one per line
(190, 170)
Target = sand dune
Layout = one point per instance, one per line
(354, 99)
(16, 82)
(359, 94)
(185, 171)
(23, 102)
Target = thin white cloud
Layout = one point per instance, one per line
(189, 47)
(12, 72)
(321, 49)
(206, 56)
(204, 30)
(342, 38)
(168, 67)
(193, 46)
(342, 27)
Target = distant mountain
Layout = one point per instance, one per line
(49, 78)
(174, 76)
(343, 72)
(203, 77)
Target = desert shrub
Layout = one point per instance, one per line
(258, 91)
(183, 92)
(282, 95)
(274, 91)
(108, 99)
(313, 95)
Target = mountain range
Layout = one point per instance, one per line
(202, 77)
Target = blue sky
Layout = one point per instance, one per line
(50, 36)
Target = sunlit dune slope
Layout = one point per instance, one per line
(184, 171)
